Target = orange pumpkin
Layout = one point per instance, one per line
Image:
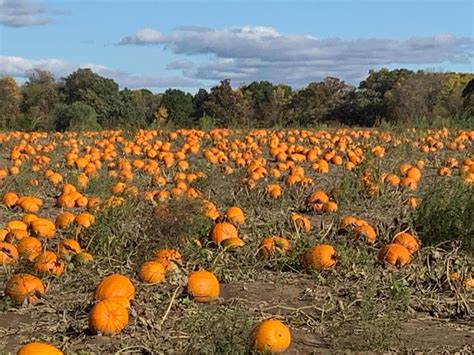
(24, 288)
(274, 245)
(68, 247)
(271, 336)
(203, 286)
(29, 247)
(152, 272)
(108, 317)
(223, 230)
(114, 285)
(8, 253)
(407, 240)
(48, 262)
(235, 215)
(36, 348)
(320, 257)
(394, 254)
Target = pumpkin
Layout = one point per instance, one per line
(301, 222)
(38, 349)
(64, 220)
(223, 230)
(8, 253)
(114, 285)
(43, 228)
(16, 234)
(407, 240)
(84, 220)
(17, 225)
(152, 272)
(82, 258)
(317, 200)
(28, 219)
(319, 257)
(274, 245)
(367, 232)
(108, 317)
(203, 286)
(167, 257)
(330, 207)
(271, 336)
(235, 215)
(231, 243)
(10, 199)
(24, 288)
(68, 247)
(29, 247)
(394, 254)
(48, 262)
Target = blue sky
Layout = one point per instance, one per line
(188, 44)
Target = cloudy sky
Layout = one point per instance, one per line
(191, 44)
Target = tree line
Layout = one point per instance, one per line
(85, 100)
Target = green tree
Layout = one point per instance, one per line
(40, 99)
(179, 106)
(228, 107)
(10, 98)
(359, 107)
(314, 103)
(77, 116)
(468, 97)
(260, 94)
(280, 99)
(199, 104)
(132, 109)
(100, 93)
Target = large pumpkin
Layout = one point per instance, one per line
(203, 286)
(271, 336)
(24, 287)
(38, 349)
(108, 317)
(319, 257)
(114, 285)
(394, 254)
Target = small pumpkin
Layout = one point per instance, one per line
(271, 336)
(365, 231)
(407, 240)
(167, 257)
(68, 247)
(82, 258)
(394, 254)
(48, 262)
(30, 248)
(152, 272)
(203, 286)
(43, 228)
(8, 254)
(223, 230)
(65, 219)
(235, 215)
(108, 317)
(10, 199)
(274, 245)
(320, 257)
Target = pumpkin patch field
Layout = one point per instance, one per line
(237, 241)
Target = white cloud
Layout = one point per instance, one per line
(22, 13)
(262, 53)
(21, 67)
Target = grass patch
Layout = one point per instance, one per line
(446, 213)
